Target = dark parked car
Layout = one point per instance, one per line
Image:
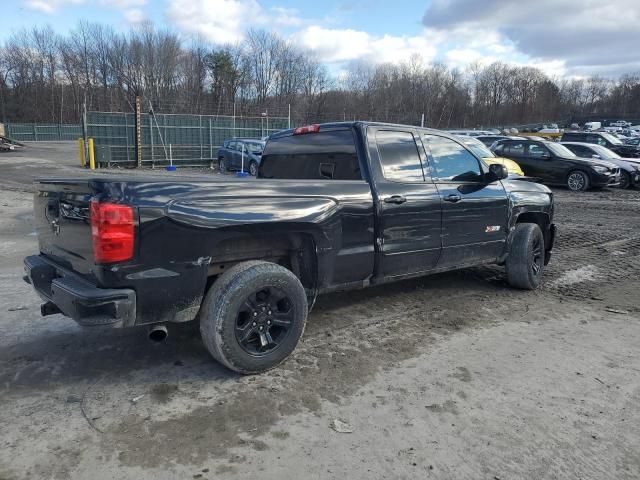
(606, 140)
(241, 153)
(489, 140)
(629, 167)
(335, 206)
(632, 141)
(554, 164)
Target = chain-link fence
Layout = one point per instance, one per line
(42, 132)
(186, 140)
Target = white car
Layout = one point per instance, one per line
(620, 123)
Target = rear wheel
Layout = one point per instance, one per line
(578, 181)
(253, 168)
(253, 316)
(525, 262)
(222, 165)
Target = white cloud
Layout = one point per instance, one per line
(129, 8)
(135, 15)
(285, 17)
(586, 36)
(50, 6)
(226, 21)
(344, 45)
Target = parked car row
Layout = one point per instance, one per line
(579, 165)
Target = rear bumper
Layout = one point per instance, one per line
(67, 293)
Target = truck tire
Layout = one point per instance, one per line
(525, 262)
(253, 168)
(578, 181)
(253, 316)
(625, 180)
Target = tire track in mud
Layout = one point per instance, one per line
(598, 245)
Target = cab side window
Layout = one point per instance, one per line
(451, 161)
(399, 156)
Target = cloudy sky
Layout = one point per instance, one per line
(563, 37)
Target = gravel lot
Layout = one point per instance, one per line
(454, 376)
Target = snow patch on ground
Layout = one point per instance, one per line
(583, 274)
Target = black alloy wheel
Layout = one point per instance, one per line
(264, 321)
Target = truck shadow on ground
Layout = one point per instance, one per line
(68, 354)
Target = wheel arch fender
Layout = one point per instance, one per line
(526, 214)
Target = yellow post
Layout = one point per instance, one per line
(81, 152)
(92, 157)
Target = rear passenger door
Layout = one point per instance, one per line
(474, 211)
(409, 206)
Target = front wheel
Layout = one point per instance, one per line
(578, 181)
(253, 316)
(625, 180)
(525, 262)
(253, 169)
(222, 165)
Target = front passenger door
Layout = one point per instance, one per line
(542, 165)
(474, 211)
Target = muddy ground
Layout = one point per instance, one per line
(454, 376)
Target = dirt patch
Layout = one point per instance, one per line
(380, 358)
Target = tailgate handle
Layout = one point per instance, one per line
(397, 199)
(453, 198)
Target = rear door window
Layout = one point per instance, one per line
(452, 162)
(329, 155)
(580, 150)
(515, 148)
(597, 139)
(399, 156)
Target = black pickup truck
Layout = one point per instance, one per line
(335, 206)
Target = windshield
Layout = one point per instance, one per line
(611, 138)
(604, 152)
(255, 147)
(560, 150)
(479, 149)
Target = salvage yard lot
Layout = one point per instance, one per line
(452, 376)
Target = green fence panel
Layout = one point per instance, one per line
(43, 132)
(186, 139)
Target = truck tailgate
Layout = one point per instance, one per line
(61, 217)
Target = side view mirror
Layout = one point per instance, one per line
(497, 171)
(545, 155)
(595, 156)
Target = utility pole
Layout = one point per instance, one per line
(85, 134)
(138, 133)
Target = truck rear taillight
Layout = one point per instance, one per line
(112, 231)
(306, 129)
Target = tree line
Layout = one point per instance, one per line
(47, 77)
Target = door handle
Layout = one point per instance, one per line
(452, 198)
(398, 199)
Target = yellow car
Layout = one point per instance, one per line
(512, 167)
(477, 147)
